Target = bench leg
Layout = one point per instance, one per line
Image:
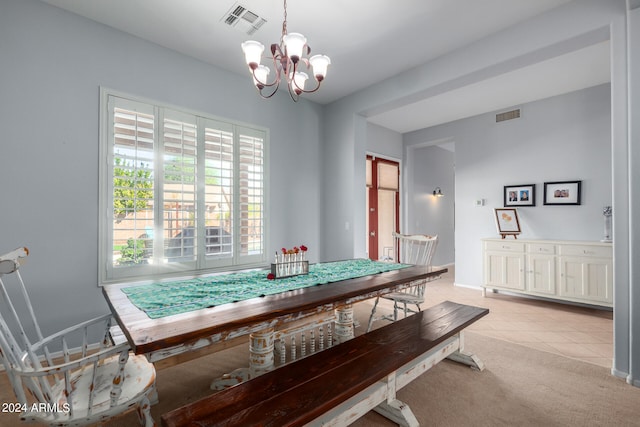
(395, 410)
(398, 412)
(462, 356)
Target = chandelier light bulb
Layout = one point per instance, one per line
(294, 44)
(299, 80)
(319, 64)
(260, 75)
(252, 52)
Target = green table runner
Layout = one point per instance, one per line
(168, 298)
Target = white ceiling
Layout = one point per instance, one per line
(368, 41)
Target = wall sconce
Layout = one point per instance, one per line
(438, 192)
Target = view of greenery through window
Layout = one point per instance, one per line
(188, 192)
(132, 191)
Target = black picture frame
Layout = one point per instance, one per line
(561, 193)
(519, 195)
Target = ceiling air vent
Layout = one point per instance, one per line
(508, 115)
(245, 20)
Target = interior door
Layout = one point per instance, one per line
(383, 206)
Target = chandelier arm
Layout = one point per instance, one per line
(312, 90)
(276, 50)
(290, 74)
(293, 81)
(294, 96)
(275, 89)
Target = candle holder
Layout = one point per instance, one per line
(289, 265)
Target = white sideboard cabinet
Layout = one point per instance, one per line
(563, 270)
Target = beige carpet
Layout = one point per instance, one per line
(519, 387)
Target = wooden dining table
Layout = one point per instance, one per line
(168, 336)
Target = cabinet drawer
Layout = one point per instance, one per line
(504, 246)
(542, 248)
(582, 250)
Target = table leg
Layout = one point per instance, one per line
(261, 357)
(344, 324)
(261, 360)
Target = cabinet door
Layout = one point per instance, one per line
(505, 270)
(571, 277)
(541, 274)
(598, 280)
(589, 279)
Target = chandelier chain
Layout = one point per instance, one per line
(284, 23)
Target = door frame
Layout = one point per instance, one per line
(373, 203)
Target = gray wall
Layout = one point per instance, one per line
(427, 168)
(563, 138)
(384, 142)
(53, 64)
(634, 193)
(577, 24)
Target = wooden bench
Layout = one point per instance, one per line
(339, 385)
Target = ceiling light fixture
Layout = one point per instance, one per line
(287, 57)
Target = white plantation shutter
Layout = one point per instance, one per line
(180, 192)
(251, 192)
(219, 190)
(132, 182)
(179, 184)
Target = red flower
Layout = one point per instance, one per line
(303, 248)
(271, 276)
(284, 250)
(295, 250)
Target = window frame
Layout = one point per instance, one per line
(203, 264)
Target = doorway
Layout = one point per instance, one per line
(383, 207)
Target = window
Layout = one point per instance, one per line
(180, 192)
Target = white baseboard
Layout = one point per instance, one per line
(462, 285)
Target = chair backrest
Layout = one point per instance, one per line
(416, 249)
(17, 352)
(75, 375)
(23, 348)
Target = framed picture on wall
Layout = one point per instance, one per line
(520, 195)
(562, 193)
(507, 222)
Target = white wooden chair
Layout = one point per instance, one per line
(62, 379)
(416, 249)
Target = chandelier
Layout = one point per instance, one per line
(288, 55)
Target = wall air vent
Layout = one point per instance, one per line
(243, 19)
(508, 115)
